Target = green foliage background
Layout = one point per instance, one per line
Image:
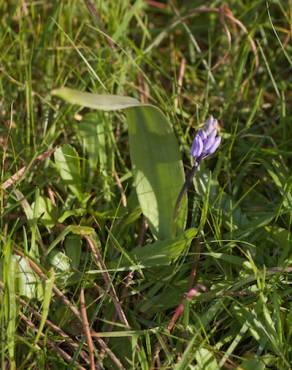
(70, 216)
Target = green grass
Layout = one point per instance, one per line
(189, 63)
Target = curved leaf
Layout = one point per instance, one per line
(155, 157)
(158, 167)
(100, 102)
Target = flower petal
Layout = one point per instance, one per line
(203, 135)
(210, 125)
(215, 145)
(197, 147)
(208, 143)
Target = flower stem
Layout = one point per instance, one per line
(184, 189)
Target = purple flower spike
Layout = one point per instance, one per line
(206, 141)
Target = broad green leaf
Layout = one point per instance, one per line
(28, 282)
(155, 157)
(95, 101)
(45, 211)
(62, 265)
(73, 249)
(159, 174)
(68, 165)
(160, 253)
(60, 261)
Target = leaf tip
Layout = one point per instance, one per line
(59, 92)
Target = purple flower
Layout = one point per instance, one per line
(206, 141)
